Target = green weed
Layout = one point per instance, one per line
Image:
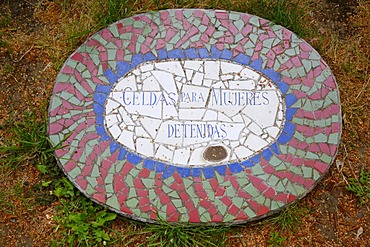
(114, 10)
(26, 143)
(7, 69)
(81, 221)
(166, 234)
(5, 16)
(289, 218)
(5, 19)
(6, 204)
(275, 240)
(360, 186)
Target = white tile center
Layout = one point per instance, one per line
(172, 111)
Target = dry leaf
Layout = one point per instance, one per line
(359, 232)
(339, 165)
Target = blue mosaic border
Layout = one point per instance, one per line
(102, 92)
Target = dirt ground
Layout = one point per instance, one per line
(30, 55)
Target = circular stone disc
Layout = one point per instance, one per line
(195, 116)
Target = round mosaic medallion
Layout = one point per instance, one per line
(196, 116)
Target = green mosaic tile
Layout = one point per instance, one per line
(335, 119)
(132, 203)
(109, 188)
(300, 190)
(307, 64)
(290, 52)
(264, 177)
(254, 21)
(257, 170)
(239, 24)
(274, 205)
(92, 181)
(230, 192)
(281, 167)
(55, 139)
(132, 193)
(134, 172)
(248, 211)
(316, 174)
(63, 78)
(307, 172)
(243, 181)
(89, 190)
(280, 187)
(113, 202)
(290, 188)
(152, 195)
(333, 138)
(187, 182)
(274, 161)
(113, 29)
(299, 121)
(174, 194)
(80, 67)
(326, 158)
(74, 172)
(267, 203)
(249, 52)
(277, 65)
(320, 138)
(301, 72)
(206, 185)
(300, 153)
(63, 161)
(238, 201)
(148, 183)
(291, 150)
(222, 208)
(251, 190)
(293, 73)
(299, 136)
(260, 199)
(206, 217)
(191, 192)
(71, 63)
(201, 210)
(177, 203)
(296, 170)
(273, 180)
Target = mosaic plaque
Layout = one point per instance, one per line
(195, 116)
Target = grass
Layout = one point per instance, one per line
(114, 10)
(26, 143)
(289, 14)
(166, 234)
(6, 69)
(80, 221)
(276, 240)
(5, 19)
(5, 16)
(289, 219)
